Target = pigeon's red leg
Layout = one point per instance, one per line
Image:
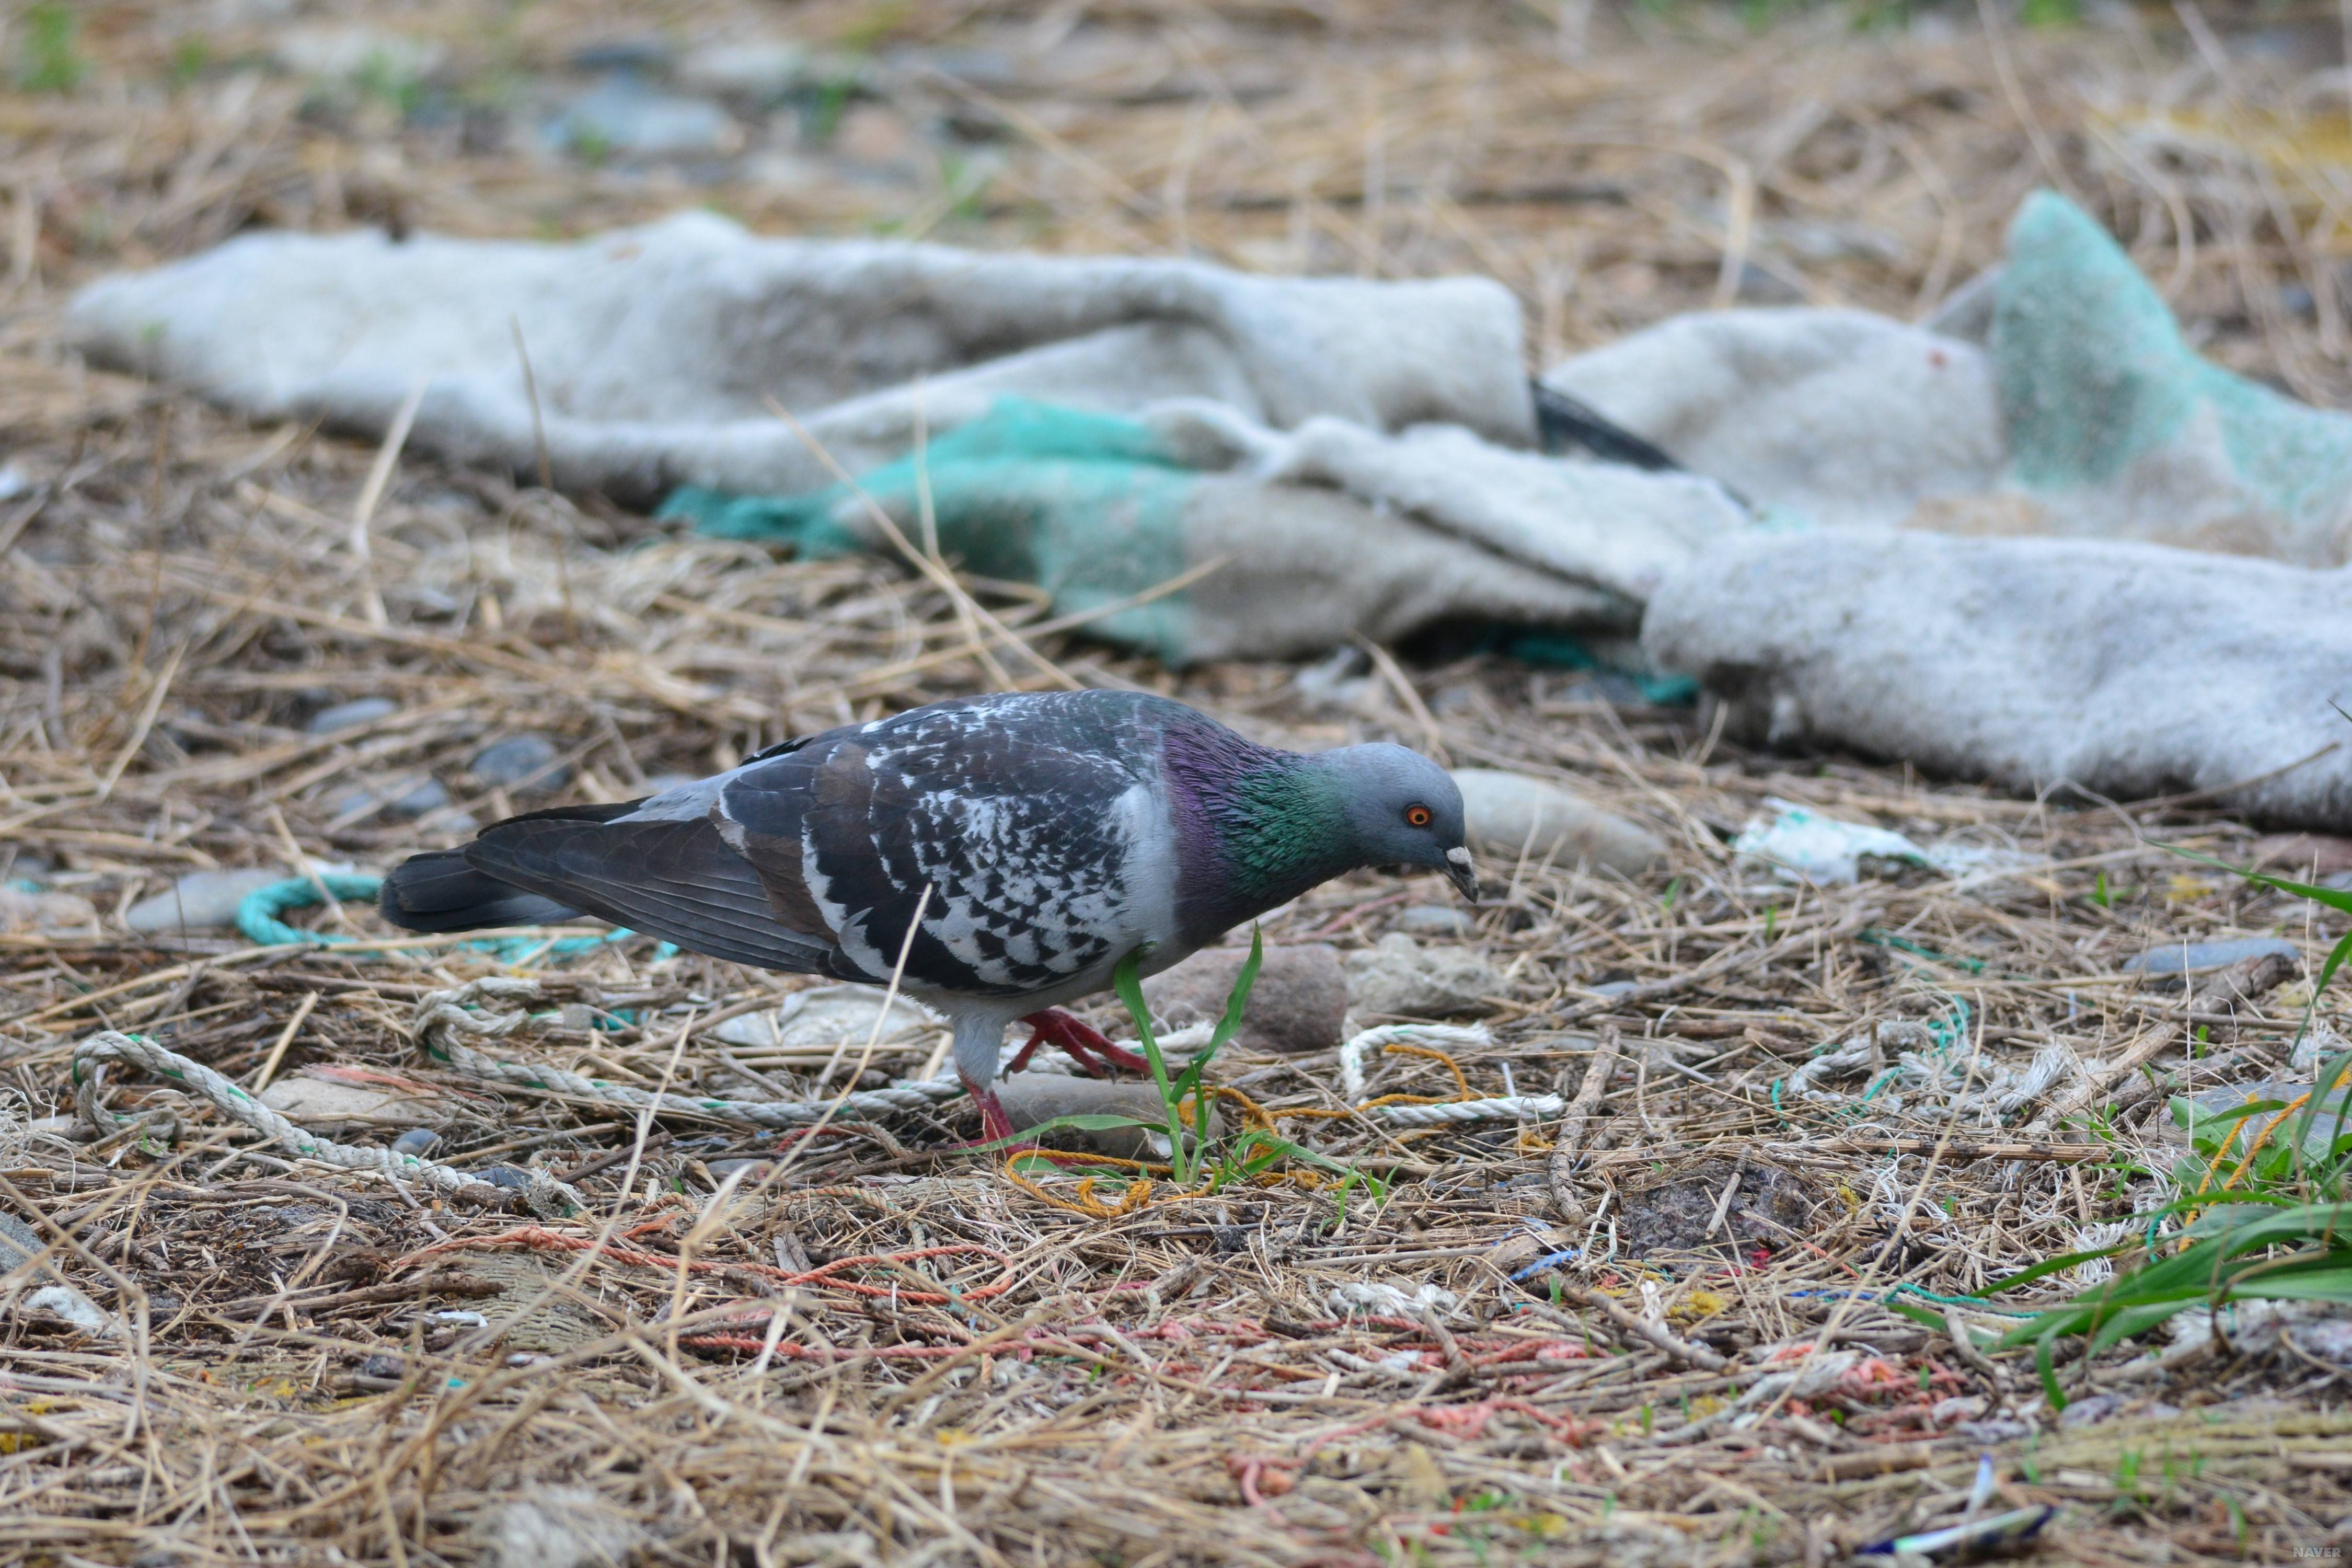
(1081, 1041)
(993, 1121)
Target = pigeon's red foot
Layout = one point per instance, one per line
(996, 1123)
(1087, 1046)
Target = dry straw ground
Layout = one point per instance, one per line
(956, 1368)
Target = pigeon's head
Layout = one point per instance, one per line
(1404, 809)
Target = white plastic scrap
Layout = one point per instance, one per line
(1391, 1300)
(77, 1309)
(1826, 851)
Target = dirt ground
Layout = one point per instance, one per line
(1701, 1314)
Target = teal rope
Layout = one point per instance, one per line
(258, 917)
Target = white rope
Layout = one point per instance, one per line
(442, 1017)
(1499, 1108)
(1351, 1055)
(546, 1196)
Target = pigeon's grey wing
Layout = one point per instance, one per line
(1018, 814)
(675, 879)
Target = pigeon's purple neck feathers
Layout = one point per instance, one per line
(1254, 828)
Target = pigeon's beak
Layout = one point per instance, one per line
(1458, 871)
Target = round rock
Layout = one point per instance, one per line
(527, 764)
(1298, 1004)
(1510, 815)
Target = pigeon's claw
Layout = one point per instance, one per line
(1086, 1045)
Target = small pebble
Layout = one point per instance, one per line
(525, 763)
(2178, 958)
(416, 1142)
(1433, 920)
(753, 1169)
(410, 796)
(512, 1177)
(430, 795)
(346, 715)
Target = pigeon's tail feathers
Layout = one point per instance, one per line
(676, 880)
(438, 892)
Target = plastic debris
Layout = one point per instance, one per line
(327, 1105)
(1391, 1300)
(1970, 1538)
(1824, 850)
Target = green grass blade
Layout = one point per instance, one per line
(1127, 980)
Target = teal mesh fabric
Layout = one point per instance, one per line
(1088, 507)
(2096, 378)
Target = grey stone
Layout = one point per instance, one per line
(1032, 1099)
(405, 796)
(1434, 920)
(1299, 1002)
(2190, 958)
(1400, 979)
(348, 715)
(19, 1242)
(527, 763)
(1510, 815)
(199, 902)
(416, 1140)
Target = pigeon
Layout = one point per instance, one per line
(1000, 855)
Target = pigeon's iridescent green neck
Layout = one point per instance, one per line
(1284, 826)
(1256, 828)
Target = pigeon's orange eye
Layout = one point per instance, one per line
(1418, 815)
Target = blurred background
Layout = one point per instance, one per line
(1611, 162)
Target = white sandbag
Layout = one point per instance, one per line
(653, 349)
(1836, 416)
(2129, 669)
